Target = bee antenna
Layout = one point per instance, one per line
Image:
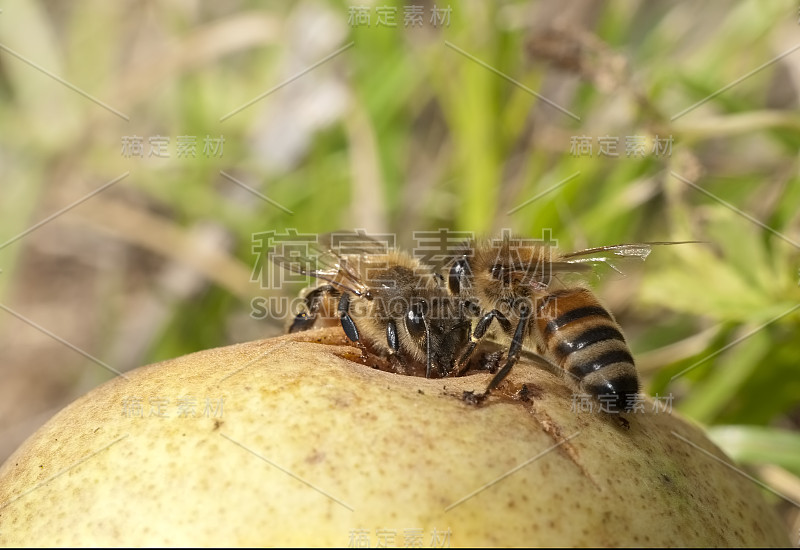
(429, 366)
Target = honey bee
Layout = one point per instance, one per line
(390, 301)
(523, 288)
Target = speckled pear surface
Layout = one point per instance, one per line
(294, 441)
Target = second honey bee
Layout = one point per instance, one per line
(390, 301)
(520, 286)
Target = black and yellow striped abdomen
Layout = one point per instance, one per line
(579, 335)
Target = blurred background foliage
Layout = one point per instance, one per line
(456, 124)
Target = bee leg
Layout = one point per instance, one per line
(347, 322)
(513, 352)
(477, 334)
(391, 336)
(429, 366)
(305, 319)
(393, 341)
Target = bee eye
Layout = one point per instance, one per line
(458, 273)
(415, 319)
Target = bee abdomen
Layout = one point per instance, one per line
(584, 364)
(576, 314)
(606, 370)
(590, 348)
(583, 338)
(589, 337)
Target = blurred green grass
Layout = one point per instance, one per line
(404, 132)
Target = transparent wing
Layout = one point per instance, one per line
(322, 263)
(619, 258)
(357, 243)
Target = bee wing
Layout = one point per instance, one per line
(326, 265)
(358, 242)
(615, 257)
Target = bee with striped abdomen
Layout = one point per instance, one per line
(525, 288)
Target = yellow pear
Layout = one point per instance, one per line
(299, 441)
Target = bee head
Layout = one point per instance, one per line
(439, 331)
